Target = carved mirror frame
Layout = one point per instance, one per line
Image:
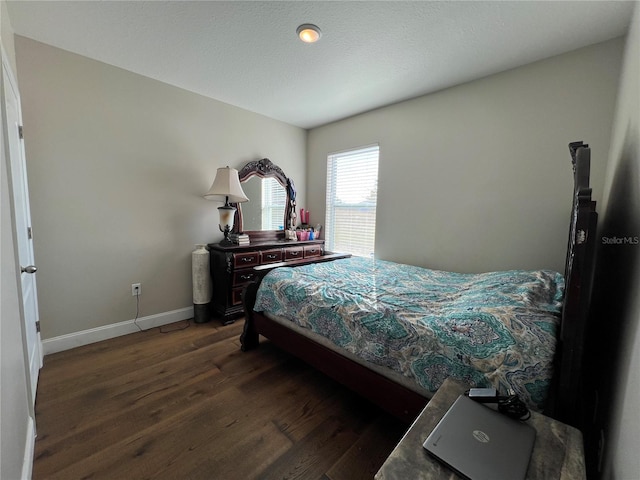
(265, 168)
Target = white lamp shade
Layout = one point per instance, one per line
(226, 185)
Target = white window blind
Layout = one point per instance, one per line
(352, 190)
(274, 199)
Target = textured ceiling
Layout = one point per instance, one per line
(371, 54)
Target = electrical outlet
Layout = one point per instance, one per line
(136, 289)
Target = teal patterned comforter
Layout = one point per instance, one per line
(491, 329)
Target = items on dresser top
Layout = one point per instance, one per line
(239, 238)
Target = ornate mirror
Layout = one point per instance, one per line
(271, 201)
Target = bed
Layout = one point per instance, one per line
(394, 333)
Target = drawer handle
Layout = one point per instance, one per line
(246, 277)
(313, 250)
(271, 256)
(294, 254)
(247, 259)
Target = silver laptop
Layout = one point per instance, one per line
(480, 443)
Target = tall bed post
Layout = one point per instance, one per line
(566, 403)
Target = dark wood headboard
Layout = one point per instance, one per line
(578, 283)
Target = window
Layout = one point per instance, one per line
(274, 199)
(352, 188)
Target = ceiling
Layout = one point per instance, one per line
(371, 54)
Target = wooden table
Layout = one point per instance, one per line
(557, 452)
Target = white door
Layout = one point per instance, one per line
(22, 218)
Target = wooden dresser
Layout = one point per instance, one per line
(233, 267)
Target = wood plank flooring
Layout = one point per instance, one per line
(188, 404)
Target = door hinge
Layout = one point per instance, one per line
(20, 132)
(38, 326)
(30, 233)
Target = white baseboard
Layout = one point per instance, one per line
(85, 337)
(29, 449)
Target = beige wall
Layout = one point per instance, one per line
(117, 166)
(478, 177)
(7, 36)
(616, 310)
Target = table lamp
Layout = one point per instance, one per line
(226, 187)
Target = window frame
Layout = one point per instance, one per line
(359, 213)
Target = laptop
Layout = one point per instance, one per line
(480, 443)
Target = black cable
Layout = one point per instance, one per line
(513, 407)
(177, 329)
(135, 320)
(510, 405)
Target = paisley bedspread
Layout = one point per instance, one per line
(491, 329)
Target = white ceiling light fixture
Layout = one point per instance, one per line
(308, 33)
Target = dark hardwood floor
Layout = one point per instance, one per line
(190, 405)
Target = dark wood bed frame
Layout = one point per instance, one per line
(564, 403)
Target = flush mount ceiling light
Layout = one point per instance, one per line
(308, 33)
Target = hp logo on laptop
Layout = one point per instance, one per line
(481, 436)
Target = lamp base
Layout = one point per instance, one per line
(226, 231)
(225, 242)
(226, 219)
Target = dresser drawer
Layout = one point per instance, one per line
(242, 277)
(312, 251)
(271, 256)
(293, 253)
(246, 259)
(236, 295)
